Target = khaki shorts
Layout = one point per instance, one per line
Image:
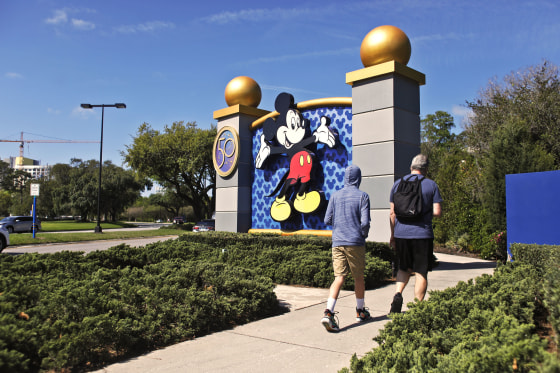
(348, 259)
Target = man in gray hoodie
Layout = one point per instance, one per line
(348, 213)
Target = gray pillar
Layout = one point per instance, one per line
(385, 132)
(233, 192)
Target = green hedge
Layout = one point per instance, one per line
(481, 326)
(486, 325)
(299, 260)
(546, 259)
(68, 311)
(74, 312)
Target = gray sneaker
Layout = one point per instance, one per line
(329, 321)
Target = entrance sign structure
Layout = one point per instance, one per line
(378, 129)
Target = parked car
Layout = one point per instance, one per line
(178, 220)
(4, 238)
(19, 224)
(205, 225)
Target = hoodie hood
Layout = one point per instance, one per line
(353, 176)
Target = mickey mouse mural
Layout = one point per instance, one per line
(290, 134)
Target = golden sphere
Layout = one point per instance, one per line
(385, 43)
(243, 91)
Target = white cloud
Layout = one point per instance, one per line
(156, 25)
(463, 114)
(442, 37)
(80, 24)
(461, 111)
(59, 17)
(145, 27)
(12, 75)
(291, 57)
(257, 15)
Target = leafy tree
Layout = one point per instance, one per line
(5, 203)
(511, 151)
(60, 175)
(532, 96)
(451, 166)
(45, 205)
(179, 158)
(169, 200)
(83, 187)
(120, 188)
(436, 135)
(515, 128)
(6, 176)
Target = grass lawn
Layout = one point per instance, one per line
(49, 234)
(74, 225)
(41, 238)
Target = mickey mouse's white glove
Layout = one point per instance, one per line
(263, 154)
(323, 134)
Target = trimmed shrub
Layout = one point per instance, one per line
(73, 312)
(481, 326)
(485, 325)
(67, 311)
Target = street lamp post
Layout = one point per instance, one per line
(102, 106)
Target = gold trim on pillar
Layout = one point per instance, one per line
(239, 109)
(385, 68)
(225, 152)
(302, 232)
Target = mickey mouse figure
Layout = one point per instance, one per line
(291, 132)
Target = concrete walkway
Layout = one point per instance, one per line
(297, 341)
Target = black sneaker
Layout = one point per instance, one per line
(397, 303)
(362, 315)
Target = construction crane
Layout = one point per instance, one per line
(22, 141)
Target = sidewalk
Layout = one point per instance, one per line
(297, 341)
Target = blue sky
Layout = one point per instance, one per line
(171, 60)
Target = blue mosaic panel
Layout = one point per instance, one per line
(328, 178)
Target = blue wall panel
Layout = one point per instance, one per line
(533, 208)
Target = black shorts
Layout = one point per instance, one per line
(415, 254)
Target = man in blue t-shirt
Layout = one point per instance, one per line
(414, 240)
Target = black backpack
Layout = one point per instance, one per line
(408, 199)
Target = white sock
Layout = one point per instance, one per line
(360, 303)
(331, 302)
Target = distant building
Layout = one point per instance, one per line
(31, 166)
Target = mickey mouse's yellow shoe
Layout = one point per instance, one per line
(307, 202)
(280, 209)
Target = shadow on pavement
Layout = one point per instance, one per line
(447, 266)
(357, 324)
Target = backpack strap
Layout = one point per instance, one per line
(410, 176)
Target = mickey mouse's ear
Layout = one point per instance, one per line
(283, 102)
(269, 129)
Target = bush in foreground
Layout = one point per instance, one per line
(70, 312)
(486, 325)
